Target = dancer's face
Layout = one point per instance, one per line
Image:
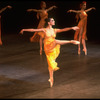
(43, 5)
(84, 6)
(52, 21)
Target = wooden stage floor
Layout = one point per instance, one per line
(24, 73)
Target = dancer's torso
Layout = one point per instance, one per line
(43, 14)
(83, 15)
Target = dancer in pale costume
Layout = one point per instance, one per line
(81, 33)
(52, 45)
(1, 10)
(42, 14)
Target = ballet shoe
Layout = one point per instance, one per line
(85, 51)
(40, 52)
(79, 52)
(51, 83)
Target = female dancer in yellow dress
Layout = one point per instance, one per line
(43, 14)
(3, 9)
(81, 33)
(52, 45)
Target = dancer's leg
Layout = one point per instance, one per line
(80, 37)
(40, 45)
(62, 42)
(0, 32)
(51, 77)
(84, 46)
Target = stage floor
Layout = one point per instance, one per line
(24, 73)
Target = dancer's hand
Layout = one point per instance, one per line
(21, 32)
(29, 10)
(94, 8)
(9, 7)
(75, 28)
(75, 42)
(54, 6)
(69, 11)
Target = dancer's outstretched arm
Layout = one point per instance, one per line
(3, 9)
(32, 30)
(66, 29)
(51, 8)
(90, 9)
(35, 10)
(75, 11)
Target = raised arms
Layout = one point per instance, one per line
(90, 9)
(3, 9)
(78, 11)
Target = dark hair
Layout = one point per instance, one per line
(42, 3)
(47, 20)
(84, 2)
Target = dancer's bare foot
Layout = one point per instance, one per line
(51, 82)
(56, 68)
(75, 42)
(21, 32)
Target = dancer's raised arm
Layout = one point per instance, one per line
(35, 10)
(75, 11)
(66, 29)
(32, 30)
(51, 8)
(3, 9)
(90, 9)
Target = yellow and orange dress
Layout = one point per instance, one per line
(43, 16)
(82, 27)
(52, 50)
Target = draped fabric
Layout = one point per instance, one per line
(52, 51)
(82, 27)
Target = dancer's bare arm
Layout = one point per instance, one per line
(32, 30)
(51, 8)
(75, 11)
(90, 9)
(35, 10)
(66, 29)
(3, 9)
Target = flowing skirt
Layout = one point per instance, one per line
(52, 51)
(82, 30)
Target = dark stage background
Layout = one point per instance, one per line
(17, 18)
